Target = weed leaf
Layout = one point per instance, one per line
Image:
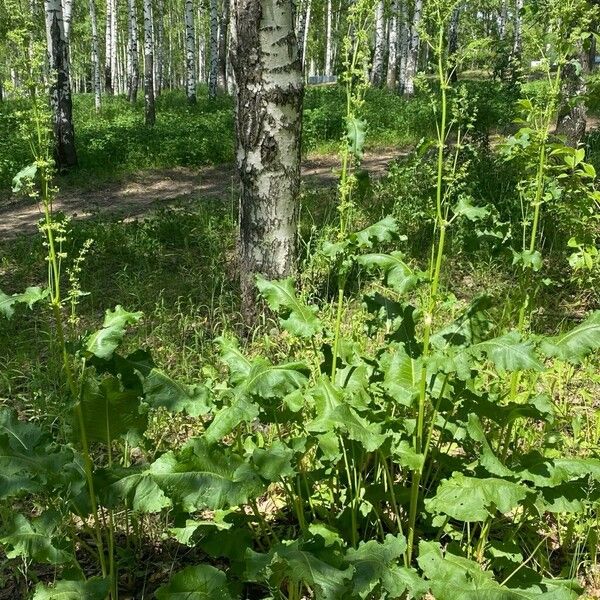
(200, 582)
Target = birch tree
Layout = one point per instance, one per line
(190, 52)
(412, 57)
(223, 36)
(404, 35)
(328, 45)
(392, 66)
(60, 86)
(214, 49)
(95, 57)
(269, 85)
(150, 112)
(377, 69)
(572, 111)
(132, 47)
(160, 47)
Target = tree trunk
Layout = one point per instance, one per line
(223, 37)
(108, 76)
(302, 29)
(412, 58)
(134, 67)
(96, 85)
(269, 83)
(392, 66)
(214, 50)
(190, 52)
(328, 46)
(572, 112)
(404, 36)
(60, 87)
(150, 111)
(113, 47)
(377, 69)
(67, 7)
(160, 49)
(518, 34)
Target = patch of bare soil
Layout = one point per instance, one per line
(149, 190)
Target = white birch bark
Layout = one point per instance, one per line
(214, 50)
(327, 71)
(96, 85)
(392, 66)
(134, 67)
(108, 76)
(190, 51)
(518, 35)
(113, 47)
(412, 58)
(404, 35)
(160, 50)
(67, 6)
(269, 86)
(150, 113)
(377, 68)
(60, 86)
(305, 31)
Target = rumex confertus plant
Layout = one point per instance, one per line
(375, 463)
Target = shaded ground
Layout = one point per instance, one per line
(137, 195)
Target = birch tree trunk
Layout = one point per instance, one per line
(377, 69)
(412, 58)
(403, 45)
(108, 76)
(214, 50)
(223, 37)
(269, 84)
(190, 52)
(113, 47)
(60, 87)
(134, 67)
(150, 112)
(503, 19)
(302, 28)
(328, 47)
(96, 85)
(160, 48)
(518, 35)
(392, 66)
(67, 6)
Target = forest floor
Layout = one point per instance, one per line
(134, 196)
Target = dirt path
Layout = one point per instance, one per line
(148, 190)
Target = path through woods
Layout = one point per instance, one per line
(135, 196)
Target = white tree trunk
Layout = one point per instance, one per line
(108, 76)
(160, 50)
(67, 7)
(133, 74)
(412, 59)
(150, 113)
(269, 116)
(327, 71)
(377, 68)
(223, 39)
(60, 86)
(190, 51)
(113, 47)
(96, 85)
(392, 66)
(518, 35)
(404, 35)
(214, 49)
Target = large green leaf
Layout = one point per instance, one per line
(373, 562)
(510, 353)
(30, 296)
(201, 476)
(29, 459)
(273, 381)
(37, 539)
(298, 318)
(132, 486)
(95, 588)
(105, 341)
(228, 418)
(333, 414)
(162, 391)
(274, 462)
(454, 577)
(471, 499)
(381, 231)
(399, 276)
(109, 410)
(289, 562)
(200, 582)
(355, 134)
(401, 375)
(576, 344)
(24, 177)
